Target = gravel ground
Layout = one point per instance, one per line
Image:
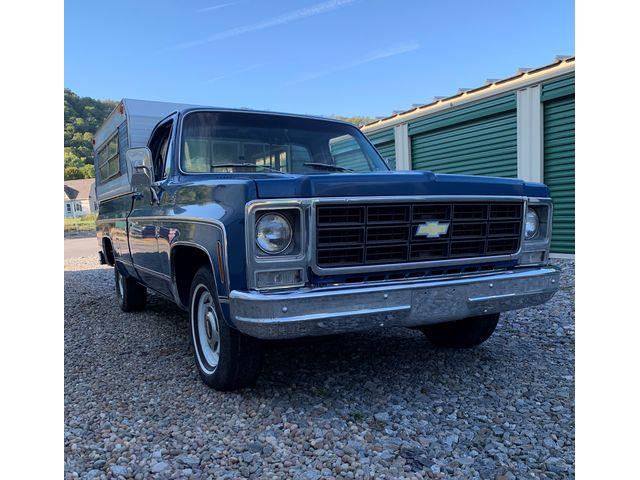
(378, 404)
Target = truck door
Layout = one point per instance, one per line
(144, 218)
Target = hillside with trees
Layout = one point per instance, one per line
(357, 121)
(82, 117)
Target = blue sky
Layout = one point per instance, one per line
(324, 57)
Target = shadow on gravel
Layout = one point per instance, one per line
(384, 360)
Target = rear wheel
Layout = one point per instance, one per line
(131, 295)
(465, 333)
(226, 359)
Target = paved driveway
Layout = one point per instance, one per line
(80, 247)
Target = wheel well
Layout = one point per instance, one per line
(107, 249)
(185, 262)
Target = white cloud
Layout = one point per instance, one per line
(391, 51)
(216, 7)
(317, 9)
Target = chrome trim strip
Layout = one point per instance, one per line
(113, 197)
(410, 280)
(110, 220)
(147, 270)
(213, 268)
(489, 298)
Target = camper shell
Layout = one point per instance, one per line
(130, 124)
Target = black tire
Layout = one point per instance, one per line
(238, 356)
(132, 296)
(465, 333)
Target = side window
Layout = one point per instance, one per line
(68, 207)
(109, 159)
(159, 146)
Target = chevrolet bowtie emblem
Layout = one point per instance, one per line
(432, 229)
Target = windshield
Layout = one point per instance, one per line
(217, 142)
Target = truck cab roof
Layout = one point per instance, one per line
(143, 115)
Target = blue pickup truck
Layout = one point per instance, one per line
(272, 226)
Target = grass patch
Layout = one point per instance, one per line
(80, 224)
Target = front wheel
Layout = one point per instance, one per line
(465, 333)
(226, 359)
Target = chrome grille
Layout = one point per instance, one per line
(374, 234)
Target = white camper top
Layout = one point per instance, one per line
(141, 117)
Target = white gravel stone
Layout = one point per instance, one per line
(377, 404)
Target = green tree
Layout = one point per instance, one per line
(73, 173)
(88, 171)
(82, 117)
(357, 121)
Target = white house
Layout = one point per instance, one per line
(80, 197)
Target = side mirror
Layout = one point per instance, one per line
(141, 166)
(389, 162)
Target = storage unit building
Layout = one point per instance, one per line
(519, 127)
(558, 100)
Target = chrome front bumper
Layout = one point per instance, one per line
(327, 310)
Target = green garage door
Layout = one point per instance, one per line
(476, 140)
(559, 159)
(384, 141)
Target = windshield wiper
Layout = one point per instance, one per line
(326, 166)
(251, 165)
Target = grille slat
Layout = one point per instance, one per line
(373, 234)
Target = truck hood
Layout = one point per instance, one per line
(392, 184)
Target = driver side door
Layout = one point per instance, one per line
(143, 220)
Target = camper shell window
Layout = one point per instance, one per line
(109, 159)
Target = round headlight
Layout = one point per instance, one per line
(273, 233)
(531, 224)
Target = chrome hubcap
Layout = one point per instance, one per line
(120, 285)
(208, 328)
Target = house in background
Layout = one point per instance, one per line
(80, 197)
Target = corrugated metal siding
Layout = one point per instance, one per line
(352, 159)
(382, 136)
(560, 87)
(384, 141)
(467, 113)
(347, 153)
(388, 152)
(559, 168)
(485, 146)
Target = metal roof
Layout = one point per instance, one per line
(522, 76)
(78, 189)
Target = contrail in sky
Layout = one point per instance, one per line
(391, 51)
(317, 9)
(216, 7)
